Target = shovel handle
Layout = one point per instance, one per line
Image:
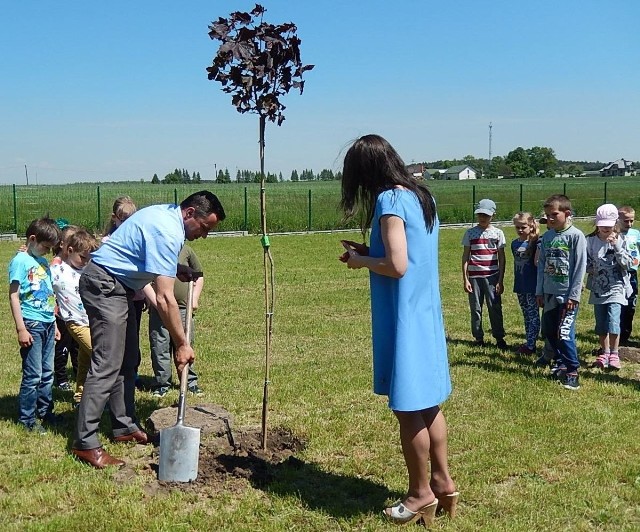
(188, 325)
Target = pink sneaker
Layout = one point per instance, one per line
(601, 361)
(614, 361)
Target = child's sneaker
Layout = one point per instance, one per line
(614, 361)
(524, 350)
(558, 371)
(37, 428)
(570, 381)
(196, 390)
(160, 392)
(65, 387)
(601, 361)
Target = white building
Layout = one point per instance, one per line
(462, 171)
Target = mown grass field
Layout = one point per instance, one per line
(526, 454)
(302, 206)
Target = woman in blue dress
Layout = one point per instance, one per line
(410, 363)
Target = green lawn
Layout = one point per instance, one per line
(526, 454)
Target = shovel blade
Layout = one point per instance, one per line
(179, 451)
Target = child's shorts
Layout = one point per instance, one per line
(607, 318)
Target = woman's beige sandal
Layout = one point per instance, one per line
(448, 503)
(399, 514)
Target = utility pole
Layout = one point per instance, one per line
(26, 173)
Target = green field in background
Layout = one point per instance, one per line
(301, 206)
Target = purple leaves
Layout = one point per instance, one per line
(257, 63)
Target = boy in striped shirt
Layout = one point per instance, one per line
(483, 265)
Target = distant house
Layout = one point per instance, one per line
(416, 170)
(620, 167)
(434, 173)
(462, 171)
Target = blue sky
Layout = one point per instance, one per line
(99, 91)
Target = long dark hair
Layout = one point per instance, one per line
(372, 166)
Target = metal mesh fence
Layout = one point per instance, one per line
(302, 206)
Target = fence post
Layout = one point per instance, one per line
(309, 213)
(473, 202)
(605, 192)
(520, 197)
(99, 214)
(564, 189)
(15, 210)
(246, 210)
(175, 196)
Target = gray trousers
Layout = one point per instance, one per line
(162, 350)
(114, 340)
(484, 291)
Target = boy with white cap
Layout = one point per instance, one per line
(483, 266)
(608, 263)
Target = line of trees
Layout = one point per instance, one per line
(538, 161)
(177, 176)
(308, 175)
(250, 176)
(246, 176)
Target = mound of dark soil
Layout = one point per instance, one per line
(229, 457)
(630, 354)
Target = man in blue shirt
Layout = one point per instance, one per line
(145, 248)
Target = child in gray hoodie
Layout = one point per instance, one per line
(561, 267)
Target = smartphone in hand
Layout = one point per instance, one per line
(345, 256)
(346, 246)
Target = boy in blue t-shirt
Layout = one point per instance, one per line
(32, 303)
(626, 218)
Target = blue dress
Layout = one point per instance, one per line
(409, 347)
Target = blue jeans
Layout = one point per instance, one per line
(607, 318)
(35, 398)
(560, 330)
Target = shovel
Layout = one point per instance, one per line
(180, 445)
